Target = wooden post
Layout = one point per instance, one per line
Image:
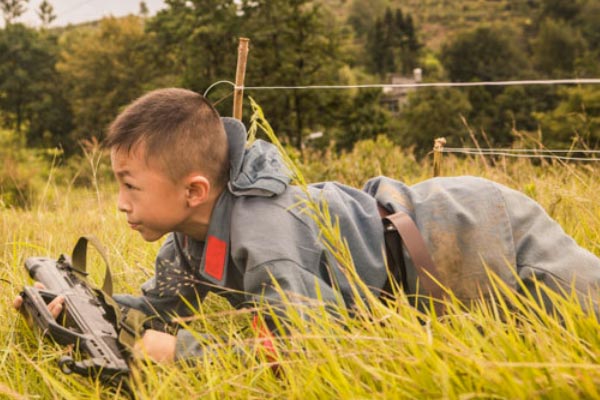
(438, 147)
(240, 74)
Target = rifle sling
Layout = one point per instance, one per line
(412, 239)
(79, 259)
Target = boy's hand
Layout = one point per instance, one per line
(55, 306)
(156, 345)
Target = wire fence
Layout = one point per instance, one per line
(416, 85)
(555, 154)
(525, 153)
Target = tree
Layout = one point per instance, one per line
(409, 45)
(31, 99)
(432, 113)
(379, 54)
(46, 13)
(144, 9)
(487, 53)
(561, 9)
(364, 119)
(105, 67)
(557, 48)
(12, 9)
(576, 118)
(484, 54)
(589, 23)
(294, 44)
(392, 44)
(514, 109)
(198, 39)
(363, 14)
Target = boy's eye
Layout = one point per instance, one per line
(129, 186)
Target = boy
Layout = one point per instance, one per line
(232, 226)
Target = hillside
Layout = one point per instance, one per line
(438, 19)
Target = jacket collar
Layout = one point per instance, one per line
(256, 169)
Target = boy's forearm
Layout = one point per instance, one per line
(188, 345)
(166, 308)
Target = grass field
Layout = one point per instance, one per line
(385, 352)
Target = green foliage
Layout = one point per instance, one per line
(294, 44)
(22, 172)
(441, 20)
(46, 13)
(561, 10)
(392, 43)
(587, 21)
(104, 68)
(368, 158)
(484, 54)
(365, 119)
(197, 41)
(433, 113)
(12, 9)
(497, 113)
(514, 108)
(362, 14)
(557, 48)
(144, 9)
(104, 65)
(576, 119)
(31, 97)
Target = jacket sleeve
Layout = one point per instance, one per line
(173, 291)
(287, 289)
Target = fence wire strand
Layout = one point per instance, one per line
(532, 82)
(524, 153)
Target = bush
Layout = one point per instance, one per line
(368, 158)
(22, 172)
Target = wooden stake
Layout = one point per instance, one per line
(438, 147)
(240, 74)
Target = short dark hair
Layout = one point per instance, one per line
(179, 128)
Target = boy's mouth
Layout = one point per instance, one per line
(133, 225)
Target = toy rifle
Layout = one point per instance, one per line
(90, 321)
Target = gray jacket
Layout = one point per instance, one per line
(258, 234)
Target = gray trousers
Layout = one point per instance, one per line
(474, 226)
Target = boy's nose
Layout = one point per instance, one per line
(122, 204)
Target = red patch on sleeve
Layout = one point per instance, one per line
(215, 257)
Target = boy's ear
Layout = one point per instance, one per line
(197, 190)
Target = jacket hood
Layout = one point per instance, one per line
(256, 169)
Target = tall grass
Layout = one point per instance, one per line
(508, 348)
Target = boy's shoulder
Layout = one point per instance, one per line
(258, 207)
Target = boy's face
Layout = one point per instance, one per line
(153, 203)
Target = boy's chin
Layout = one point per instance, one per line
(150, 236)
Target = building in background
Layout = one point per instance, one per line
(395, 98)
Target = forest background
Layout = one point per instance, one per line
(60, 87)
